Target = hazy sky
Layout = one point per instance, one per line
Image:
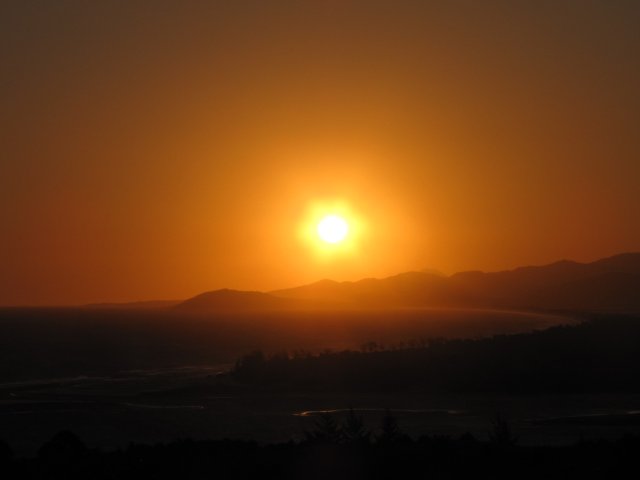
(158, 149)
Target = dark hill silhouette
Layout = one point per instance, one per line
(605, 285)
(510, 285)
(411, 289)
(599, 355)
(327, 290)
(611, 291)
(610, 284)
(624, 262)
(236, 300)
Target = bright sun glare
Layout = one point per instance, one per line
(333, 229)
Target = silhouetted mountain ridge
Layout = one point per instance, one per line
(227, 299)
(609, 284)
(238, 300)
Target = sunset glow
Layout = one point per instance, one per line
(333, 229)
(154, 152)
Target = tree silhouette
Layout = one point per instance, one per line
(326, 429)
(389, 430)
(353, 429)
(251, 366)
(65, 447)
(501, 434)
(503, 363)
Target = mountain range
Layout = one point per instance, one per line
(611, 284)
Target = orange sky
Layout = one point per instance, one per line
(157, 149)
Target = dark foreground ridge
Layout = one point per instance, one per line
(331, 451)
(597, 356)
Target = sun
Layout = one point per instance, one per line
(332, 229)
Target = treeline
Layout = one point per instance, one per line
(331, 451)
(598, 355)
